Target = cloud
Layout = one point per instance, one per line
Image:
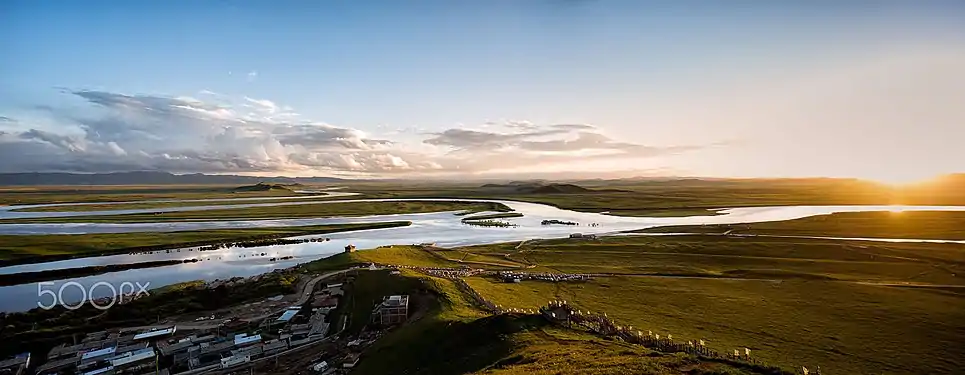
(7, 119)
(252, 75)
(184, 134)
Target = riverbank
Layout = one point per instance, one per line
(36, 277)
(17, 249)
(929, 225)
(311, 209)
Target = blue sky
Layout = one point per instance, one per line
(737, 88)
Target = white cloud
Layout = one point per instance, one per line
(252, 75)
(188, 134)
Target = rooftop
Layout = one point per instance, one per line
(402, 300)
(288, 315)
(160, 332)
(137, 355)
(98, 353)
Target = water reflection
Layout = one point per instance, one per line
(443, 228)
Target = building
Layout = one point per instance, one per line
(350, 360)
(243, 339)
(288, 315)
(393, 310)
(134, 360)
(155, 333)
(350, 248)
(235, 360)
(16, 365)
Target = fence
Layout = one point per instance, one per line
(561, 313)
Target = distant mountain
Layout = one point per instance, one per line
(150, 178)
(541, 187)
(263, 186)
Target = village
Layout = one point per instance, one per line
(229, 341)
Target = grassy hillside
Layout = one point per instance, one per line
(849, 307)
(836, 304)
(453, 337)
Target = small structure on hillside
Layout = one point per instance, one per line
(393, 310)
(350, 248)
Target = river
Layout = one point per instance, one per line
(442, 228)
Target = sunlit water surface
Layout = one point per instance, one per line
(442, 228)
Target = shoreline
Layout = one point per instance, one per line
(334, 228)
(21, 278)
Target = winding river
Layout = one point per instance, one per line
(442, 228)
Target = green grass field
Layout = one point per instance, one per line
(793, 302)
(453, 337)
(911, 224)
(278, 212)
(14, 247)
(842, 305)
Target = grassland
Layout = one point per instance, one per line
(687, 197)
(846, 306)
(941, 225)
(839, 305)
(680, 197)
(452, 337)
(18, 195)
(139, 206)
(14, 248)
(278, 212)
(415, 256)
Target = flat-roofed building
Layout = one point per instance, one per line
(288, 315)
(234, 360)
(394, 310)
(217, 347)
(91, 358)
(156, 333)
(177, 347)
(131, 359)
(275, 346)
(131, 347)
(243, 339)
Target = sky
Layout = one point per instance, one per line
(459, 89)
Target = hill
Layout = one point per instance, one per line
(456, 337)
(263, 186)
(148, 178)
(541, 187)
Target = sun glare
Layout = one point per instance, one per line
(903, 179)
